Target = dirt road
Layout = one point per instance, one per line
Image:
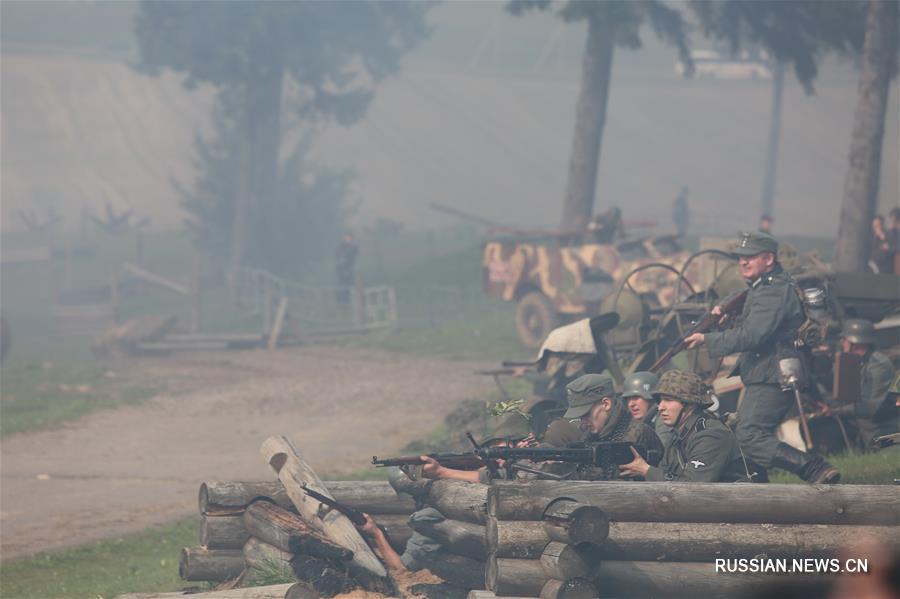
(123, 470)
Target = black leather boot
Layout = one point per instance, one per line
(811, 468)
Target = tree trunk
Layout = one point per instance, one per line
(691, 542)
(294, 472)
(723, 502)
(288, 532)
(515, 539)
(260, 142)
(590, 117)
(223, 532)
(523, 577)
(673, 579)
(458, 500)
(574, 588)
(231, 498)
(459, 538)
(861, 184)
(571, 522)
(198, 564)
(262, 556)
(562, 562)
(767, 202)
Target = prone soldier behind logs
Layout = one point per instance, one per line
(702, 449)
(764, 334)
(603, 417)
(876, 413)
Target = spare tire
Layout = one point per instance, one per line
(535, 318)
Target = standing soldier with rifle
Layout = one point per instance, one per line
(765, 333)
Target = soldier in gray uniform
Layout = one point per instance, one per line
(875, 412)
(764, 334)
(702, 448)
(637, 393)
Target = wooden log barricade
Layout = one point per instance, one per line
(704, 502)
(574, 539)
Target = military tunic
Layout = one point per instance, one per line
(702, 450)
(771, 315)
(876, 414)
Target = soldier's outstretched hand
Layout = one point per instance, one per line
(637, 467)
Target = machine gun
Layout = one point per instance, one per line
(590, 454)
(709, 320)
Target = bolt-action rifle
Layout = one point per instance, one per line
(353, 514)
(709, 320)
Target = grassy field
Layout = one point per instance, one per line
(142, 562)
(42, 395)
(879, 468)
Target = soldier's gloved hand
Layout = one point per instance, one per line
(431, 468)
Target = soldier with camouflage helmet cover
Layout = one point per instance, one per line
(876, 413)
(637, 394)
(764, 334)
(702, 448)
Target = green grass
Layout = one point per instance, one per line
(879, 468)
(42, 395)
(141, 562)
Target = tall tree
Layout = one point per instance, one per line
(879, 66)
(797, 33)
(609, 24)
(321, 60)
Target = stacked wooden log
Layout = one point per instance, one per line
(589, 539)
(247, 528)
(461, 533)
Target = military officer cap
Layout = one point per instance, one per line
(640, 384)
(751, 244)
(858, 330)
(686, 387)
(585, 391)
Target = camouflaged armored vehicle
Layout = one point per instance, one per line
(556, 279)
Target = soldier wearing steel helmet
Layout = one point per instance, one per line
(702, 448)
(604, 417)
(765, 334)
(875, 413)
(637, 394)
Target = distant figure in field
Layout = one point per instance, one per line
(680, 212)
(766, 222)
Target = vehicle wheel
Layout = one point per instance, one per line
(535, 318)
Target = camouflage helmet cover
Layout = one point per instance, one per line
(686, 387)
(640, 384)
(858, 330)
